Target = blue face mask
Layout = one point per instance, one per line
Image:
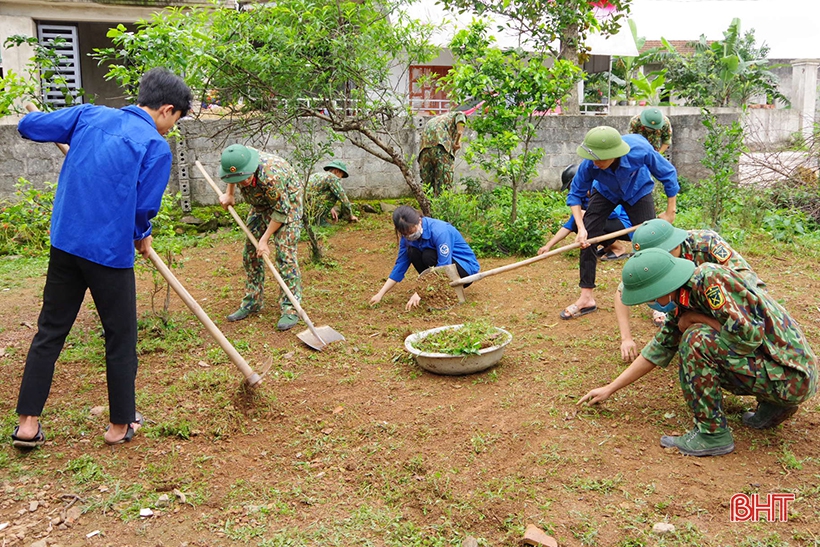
(669, 308)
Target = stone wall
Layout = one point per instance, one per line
(370, 177)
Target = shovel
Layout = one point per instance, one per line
(251, 377)
(527, 262)
(315, 337)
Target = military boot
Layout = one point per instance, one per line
(768, 415)
(696, 443)
(287, 321)
(241, 314)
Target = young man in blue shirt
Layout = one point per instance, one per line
(617, 171)
(110, 187)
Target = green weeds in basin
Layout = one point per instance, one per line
(469, 339)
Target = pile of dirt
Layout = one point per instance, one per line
(435, 291)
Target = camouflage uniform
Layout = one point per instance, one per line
(436, 154)
(656, 137)
(706, 246)
(760, 350)
(323, 191)
(276, 194)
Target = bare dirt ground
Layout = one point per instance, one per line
(356, 445)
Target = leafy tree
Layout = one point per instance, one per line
(516, 89)
(721, 73)
(335, 61)
(541, 24)
(722, 148)
(43, 68)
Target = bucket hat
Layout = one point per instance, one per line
(658, 233)
(602, 143)
(652, 118)
(238, 163)
(652, 273)
(340, 165)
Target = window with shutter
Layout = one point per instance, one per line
(66, 80)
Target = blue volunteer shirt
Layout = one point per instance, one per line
(112, 179)
(631, 181)
(447, 242)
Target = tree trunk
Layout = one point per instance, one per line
(315, 249)
(569, 52)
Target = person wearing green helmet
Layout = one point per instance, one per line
(730, 334)
(616, 171)
(324, 190)
(652, 125)
(699, 246)
(274, 191)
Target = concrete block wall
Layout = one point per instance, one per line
(370, 178)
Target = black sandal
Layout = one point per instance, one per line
(129, 433)
(38, 440)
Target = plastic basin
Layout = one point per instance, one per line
(454, 365)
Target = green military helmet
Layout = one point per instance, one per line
(658, 233)
(652, 118)
(652, 273)
(238, 163)
(340, 165)
(602, 143)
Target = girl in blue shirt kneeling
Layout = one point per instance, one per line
(426, 242)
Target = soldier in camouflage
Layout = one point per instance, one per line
(274, 191)
(324, 190)
(652, 125)
(440, 140)
(699, 246)
(730, 334)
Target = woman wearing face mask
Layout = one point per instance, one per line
(424, 243)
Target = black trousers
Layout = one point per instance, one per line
(595, 218)
(428, 258)
(114, 294)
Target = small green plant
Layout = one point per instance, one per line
(466, 340)
(722, 148)
(25, 222)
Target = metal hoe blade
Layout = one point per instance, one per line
(326, 334)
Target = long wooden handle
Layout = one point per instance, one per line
(508, 267)
(271, 267)
(250, 376)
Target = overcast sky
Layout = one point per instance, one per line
(789, 27)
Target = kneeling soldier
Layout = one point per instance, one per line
(730, 334)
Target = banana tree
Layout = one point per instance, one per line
(650, 87)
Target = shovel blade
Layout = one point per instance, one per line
(327, 334)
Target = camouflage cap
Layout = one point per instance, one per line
(652, 273)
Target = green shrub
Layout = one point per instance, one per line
(483, 219)
(25, 222)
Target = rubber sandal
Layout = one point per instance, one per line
(612, 256)
(38, 440)
(129, 433)
(573, 312)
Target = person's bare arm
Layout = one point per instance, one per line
(629, 351)
(634, 372)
